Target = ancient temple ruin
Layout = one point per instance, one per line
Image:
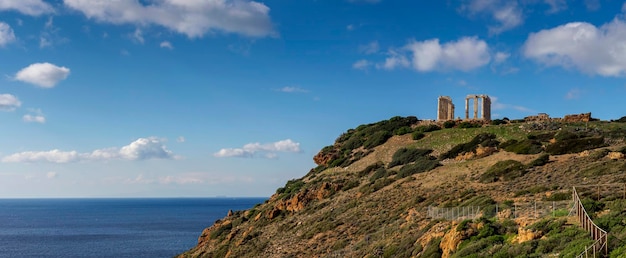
(445, 109)
(485, 104)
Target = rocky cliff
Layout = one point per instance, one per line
(400, 188)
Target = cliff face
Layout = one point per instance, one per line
(389, 202)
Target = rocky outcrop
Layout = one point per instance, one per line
(324, 157)
(615, 155)
(300, 200)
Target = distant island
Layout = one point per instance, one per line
(449, 187)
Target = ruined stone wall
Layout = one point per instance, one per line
(584, 117)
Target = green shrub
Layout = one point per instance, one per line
(523, 147)
(423, 164)
(427, 128)
(403, 130)
(541, 137)
(432, 249)
(621, 120)
(559, 196)
(574, 145)
(379, 173)
(503, 170)
(497, 122)
(217, 233)
(369, 169)
(449, 124)
(405, 156)
(417, 135)
(467, 124)
(469, 146)
(351, 184)
(366, 135)
(540, 161)
(290, 188)
(376, 139)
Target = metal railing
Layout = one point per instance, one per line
(600, 236)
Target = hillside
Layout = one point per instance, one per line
(409, 188)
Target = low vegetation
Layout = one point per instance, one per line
(369, 196)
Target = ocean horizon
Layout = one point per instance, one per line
(109, 227)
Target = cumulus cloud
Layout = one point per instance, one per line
(361, 64)
(141, 149)
(293, 89)
(193, 18)
(581, 45)
(35, 116)
(9, 102)
(371, 48)
(501, 57)
(6, 34)
(44, 75)
(268, 150)
(28, 7)
(506, 14)
(166, 44)
(465, 54)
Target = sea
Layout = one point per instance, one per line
(152, 227)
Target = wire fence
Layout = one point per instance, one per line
(508, 210)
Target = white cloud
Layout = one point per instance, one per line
(292, 89)
(141, 149)
(501, 57)
(6, 34)
(350, 27)
(394, 60)
(268, 150)
(506, 14)
(581, 45)
(193, 18)
(362, 64)
(573, 94)
(180, 139)
(166, 44)
(371, 48)
(45, 75)
(137, 36)
(465, 54)
(52, 175)
(556, 5)
(34, 118)
(145, 148)
(28, 7)
(9, 102)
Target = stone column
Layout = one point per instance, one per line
(475, 107)
(466, 108)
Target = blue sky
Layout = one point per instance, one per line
(176, 98)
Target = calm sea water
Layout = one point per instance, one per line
(108, 227)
